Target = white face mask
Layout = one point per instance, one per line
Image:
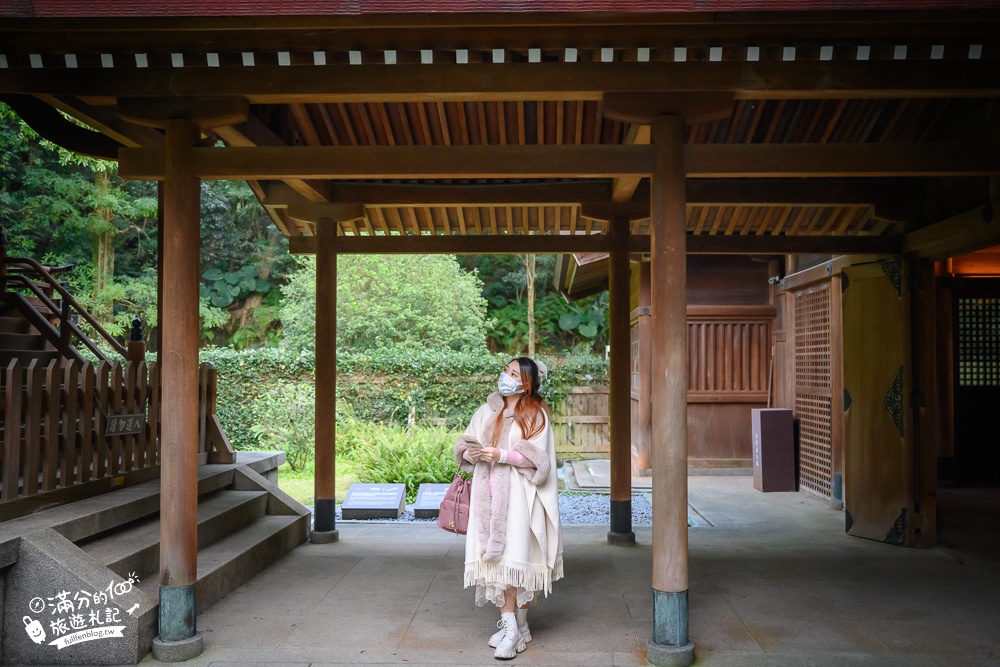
(508, 386)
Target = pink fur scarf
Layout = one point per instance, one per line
(491, 511)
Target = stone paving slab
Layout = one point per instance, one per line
(775, 582)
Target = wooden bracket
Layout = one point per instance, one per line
(205, 112)
(644, 108)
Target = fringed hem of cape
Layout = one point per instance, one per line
(491, 578)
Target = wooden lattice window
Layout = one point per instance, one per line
(729, 352)
(813, 383)
(979, 342)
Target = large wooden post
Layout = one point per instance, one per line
(180, 325)
(643, 455)
(670, 644)
(324, 524)
(620, 401)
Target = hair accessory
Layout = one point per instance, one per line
(543, 371)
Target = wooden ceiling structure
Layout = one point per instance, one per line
(391, 126)
(845, 132)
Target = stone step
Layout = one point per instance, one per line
(228, 563)
(135, 548)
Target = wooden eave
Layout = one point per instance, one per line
(404, 131)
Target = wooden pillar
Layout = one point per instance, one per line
(643, 449)
(670, 644)
(180, 326)
(620, 402)
(324, 524)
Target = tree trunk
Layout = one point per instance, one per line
(104, 250)
(529, 263)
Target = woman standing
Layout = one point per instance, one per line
(513, 549)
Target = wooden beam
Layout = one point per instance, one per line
(551, 193)
(701, 192)
(361, 162)
(205, 112)
(967, 232)
(624, 187)
(271, 84)
(106, 121)
(645, 108)
(600, 243)
(456, 245)
(52, 125)
(253, 132)
(589, 161)
(840, 160)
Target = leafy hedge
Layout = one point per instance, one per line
(421, 387)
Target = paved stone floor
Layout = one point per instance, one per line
(774, 582)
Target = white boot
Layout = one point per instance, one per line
(522, 626)
(511, 643)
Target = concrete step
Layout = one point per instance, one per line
(135, 548)
(228, 563)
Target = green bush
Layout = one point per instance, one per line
(288, 421)
(423, 387)
(393, 454)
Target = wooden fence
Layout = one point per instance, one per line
(581, 424)
(72, 429)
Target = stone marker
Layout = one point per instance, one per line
(374, 501)
(429, 497)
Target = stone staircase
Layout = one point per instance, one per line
(112, 542)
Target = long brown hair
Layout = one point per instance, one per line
(530, 411)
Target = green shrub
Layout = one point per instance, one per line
(393, 454)
(287, 414)
(425, 387)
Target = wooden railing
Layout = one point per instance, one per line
(75, 429)
(27, 274)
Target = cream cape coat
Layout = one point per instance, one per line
(531, 557)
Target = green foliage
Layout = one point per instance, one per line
(422, 387)
(287, 414)
(390, 302)
(394, 454)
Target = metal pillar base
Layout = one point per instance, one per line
(669, 656)
(179, 639)
(670, 646)
(621, 523)
(324, 522)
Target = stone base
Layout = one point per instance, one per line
(178, 651)
(621, 538)
(662, 655)
(324, 536)
(425, 514)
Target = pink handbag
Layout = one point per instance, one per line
(453, 515)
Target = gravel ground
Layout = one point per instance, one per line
(574, 508)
